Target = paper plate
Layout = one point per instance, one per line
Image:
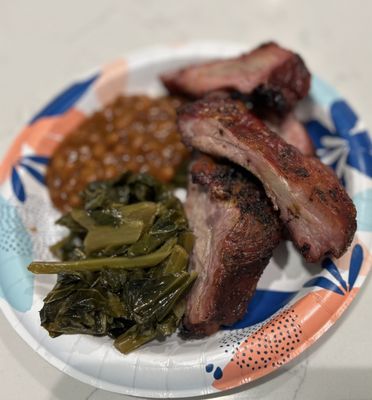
(295, 302)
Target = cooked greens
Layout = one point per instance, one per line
(123, 269)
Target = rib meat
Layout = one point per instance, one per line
(236, 230)
(315, 208)
(294, 133)
(275, 77)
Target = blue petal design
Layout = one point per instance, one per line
(38, 159)
(361, 160)
(17, 186)
(66, 99)
(360, 141)
(34, 172)
(355, 265)
(264, 303)
(329, 265)
(317, 131)
(360, 144)
(324, 283)
(343, 117)
(209, 368)
(218, 373)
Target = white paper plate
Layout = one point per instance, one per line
(295, 304)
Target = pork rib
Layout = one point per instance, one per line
(236, 230)
(275, 77)
(315, 208)
(294, 133)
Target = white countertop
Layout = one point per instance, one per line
(44, 45)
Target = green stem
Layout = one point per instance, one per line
(96, 264)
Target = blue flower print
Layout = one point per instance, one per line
(349, 143)
(341, 287)
(27, 163)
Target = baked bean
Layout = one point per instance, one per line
(74, 200)
(110, 171)
(120, 149)
(168, 172)
(99, 150)
(112, 138)
(136, 133)
(94, 137)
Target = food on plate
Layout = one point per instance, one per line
(315, 208)
(294, 133)
(135, 133)
(124, 267)
(124, 264)
(275, 78)
(236, 230)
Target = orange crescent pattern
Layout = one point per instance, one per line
(291, 331)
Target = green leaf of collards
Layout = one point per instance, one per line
(113, 279)
(124, 264)
(177, 261)
(138, 335)
(116, 213)
(69, 222)
(145, 212)
(167, 327)
(168, 302)
(152, 299)
(186, 239)
(167, 225)
(117, 226)
(134, 338)
(84, 311)
(148, 244)
(101, 237)
(82, 218)
(69, 248)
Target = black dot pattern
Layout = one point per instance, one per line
(231, 340)
(268, 346)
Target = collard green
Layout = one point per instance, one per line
(123, 269)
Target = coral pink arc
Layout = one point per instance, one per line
(42, 136)
(285, 336)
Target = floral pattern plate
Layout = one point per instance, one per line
(295, 302)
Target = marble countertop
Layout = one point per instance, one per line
(44, 45)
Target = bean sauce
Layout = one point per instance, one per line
(135, 133)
